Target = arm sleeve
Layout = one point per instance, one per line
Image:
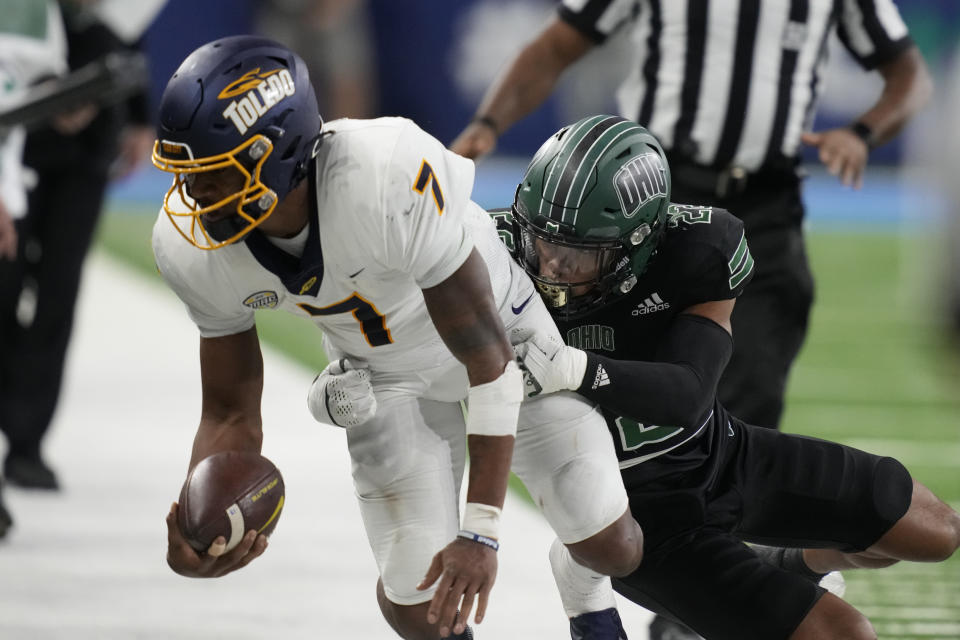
(676, 390)
(872, 31)
(425, 197)
(597, 19)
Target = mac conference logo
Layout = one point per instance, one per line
(639, 181)
(260, 92)
(262, 300)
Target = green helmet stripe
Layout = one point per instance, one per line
(575, 133)
(590, 162)
(584, 140)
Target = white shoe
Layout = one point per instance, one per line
(834, 583)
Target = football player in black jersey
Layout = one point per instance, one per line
(642, 290)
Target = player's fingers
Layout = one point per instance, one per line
(858, 177)
(836, 165)
(218, 547)
(850, 173)
(255, 552)
(811, 139)
(436, 568)
(221, 562)
(826, 155)
(439, 601)
(483, 597)
(448, 616)
(469, 596)
(243, 547)
(173, 529)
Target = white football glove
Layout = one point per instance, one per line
(549, 365)
(341, 395)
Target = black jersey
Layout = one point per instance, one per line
(702, 257)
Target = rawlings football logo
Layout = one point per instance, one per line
(262, 91)
(639, 181)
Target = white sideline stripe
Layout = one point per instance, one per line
(121, 443)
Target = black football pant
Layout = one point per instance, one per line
(770, 317)
(53, 239)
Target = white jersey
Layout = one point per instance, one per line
(393, 216)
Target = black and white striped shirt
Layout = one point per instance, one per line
(735, 82)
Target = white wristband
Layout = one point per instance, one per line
(493, 407)
(481, 519)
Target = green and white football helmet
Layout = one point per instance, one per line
(590, 212)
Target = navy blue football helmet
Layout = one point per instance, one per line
(243, 103)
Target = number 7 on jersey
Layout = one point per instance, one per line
(420, 184)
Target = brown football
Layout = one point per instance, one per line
(227, 494)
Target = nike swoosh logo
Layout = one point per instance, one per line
(523, 304)
(354, 275)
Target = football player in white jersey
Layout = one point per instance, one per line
(366, 227)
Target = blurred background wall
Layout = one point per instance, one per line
(460, 47)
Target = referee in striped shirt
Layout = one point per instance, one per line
(729, 87)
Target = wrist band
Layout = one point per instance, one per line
(864, 132)
(488, 122)
(476, 537)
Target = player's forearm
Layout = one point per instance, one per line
(676, 391)
(490, 458)
(907, 89)
(531, 77)
(518, 91)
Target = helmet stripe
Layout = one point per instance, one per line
(575, 133)
(583, 155)
(585, 171)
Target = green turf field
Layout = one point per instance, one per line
(878, 371)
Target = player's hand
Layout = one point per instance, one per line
(342, 395)
(843, 152)
(72, 122)
(476, 141)
(466, 570)
(8, 234)
(549, 365)
(214, 562)
(136, 141)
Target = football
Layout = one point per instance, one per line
(227, 494)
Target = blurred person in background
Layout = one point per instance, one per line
(947, 169)
(730, 88)
(32, 46)
(334, 38)
(73, 158)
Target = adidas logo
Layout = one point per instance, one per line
(651, 304)
(601, 379)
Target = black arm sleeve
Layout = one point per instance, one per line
(678, 389)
